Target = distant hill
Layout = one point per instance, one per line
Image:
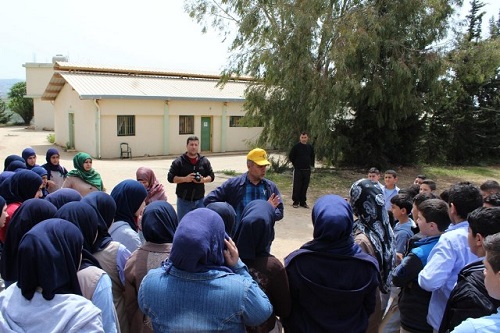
(6, 84)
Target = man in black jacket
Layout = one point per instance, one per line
(469, 298)
(190, 171)
(302, 158)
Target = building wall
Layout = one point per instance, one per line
(150, 124)
(37, 77)
(84, 112)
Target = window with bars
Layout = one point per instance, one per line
(186, 124)
(125, 125)
(235, 121)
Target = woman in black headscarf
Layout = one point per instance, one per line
(226, 211)
(11, 158)
(256, 233)
(159, 223)
(47, 296)
(29, 214)
(332, 282)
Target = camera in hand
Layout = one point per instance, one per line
(197, 176)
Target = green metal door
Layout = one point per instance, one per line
(206, 133)
(71, 134)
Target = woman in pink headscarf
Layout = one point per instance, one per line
(147, 177)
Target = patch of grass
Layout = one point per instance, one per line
(228, 172)
(51, 138)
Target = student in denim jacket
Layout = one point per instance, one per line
(203, 287)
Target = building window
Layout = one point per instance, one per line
(186, 124)
(125, 125)
(235, 121)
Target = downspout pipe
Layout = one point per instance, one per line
(97, 128)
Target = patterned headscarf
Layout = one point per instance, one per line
(92, 177)
(367, 201)
(49, 257)
(155, 188)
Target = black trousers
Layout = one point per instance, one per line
(301, 179)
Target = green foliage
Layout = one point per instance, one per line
(365, 78)
(4, 115)
(51, 138)
(279, 164)
(228, 172)
(19, 104)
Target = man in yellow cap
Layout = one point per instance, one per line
(252, 185)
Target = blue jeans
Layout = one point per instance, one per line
(185, 206)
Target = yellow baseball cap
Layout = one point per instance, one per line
(258, 156)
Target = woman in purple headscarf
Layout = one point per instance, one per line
(208, 287)
(47, 296)
(56, 173)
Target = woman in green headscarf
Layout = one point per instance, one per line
(83, 178)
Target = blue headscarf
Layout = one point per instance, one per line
(2, 202)
(49, 257)
(105, 207)
(27, 153)
(53, 167)
(6, 174)
(63, 196)
(85, 218)
(11, 158)
(39, 171)
(30, 213)
(332, 220)
(23, 185)
(16, 165)
(226, 211)
(159, 222)
(198, 243)
(129, 196)
(256, 230)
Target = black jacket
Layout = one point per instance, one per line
(182, 167)
(469, 298)
(302, 156)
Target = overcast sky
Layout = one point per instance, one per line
(147, 33)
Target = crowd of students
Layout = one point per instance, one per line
(384, 259)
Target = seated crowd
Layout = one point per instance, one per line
(76, 259)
